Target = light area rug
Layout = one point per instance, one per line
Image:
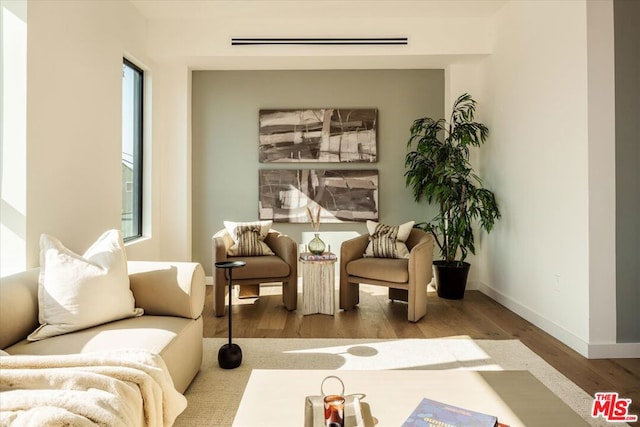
(215, 394)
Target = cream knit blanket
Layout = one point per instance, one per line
(119, 388)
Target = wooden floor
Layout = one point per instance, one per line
(476, 316)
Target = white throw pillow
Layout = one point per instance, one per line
(387, 241)
(248, 238)
(77, 292)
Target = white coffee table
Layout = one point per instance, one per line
(517, 398)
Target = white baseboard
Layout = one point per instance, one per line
(618, 350)
(534, 317)
(588, 350)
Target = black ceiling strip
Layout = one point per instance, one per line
(316, 43)
(320, 38)
(321, 41)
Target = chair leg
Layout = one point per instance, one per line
(417, 305)
(349, 295)
(218, 300)
(290, 295)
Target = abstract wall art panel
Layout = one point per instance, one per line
(318, 135)
(343, 195)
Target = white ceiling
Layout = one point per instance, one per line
(163, 10)
(198, 32)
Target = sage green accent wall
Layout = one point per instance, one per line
(225, 106)
(627, 64)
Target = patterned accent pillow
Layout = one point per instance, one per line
(387, 241)
(248, 238)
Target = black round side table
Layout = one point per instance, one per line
(230, 355)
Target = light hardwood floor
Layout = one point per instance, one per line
(476, 316)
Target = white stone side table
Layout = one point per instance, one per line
(318, 286)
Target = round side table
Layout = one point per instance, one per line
(230, 355)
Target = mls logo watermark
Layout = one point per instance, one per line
(612, 408)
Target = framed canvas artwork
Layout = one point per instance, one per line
(318, 135)
(342, 195)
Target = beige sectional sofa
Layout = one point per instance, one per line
(171, 294)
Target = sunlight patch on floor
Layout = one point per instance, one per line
(458, 352)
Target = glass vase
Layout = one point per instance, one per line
(316, 245)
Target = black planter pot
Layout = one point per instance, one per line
(451, 278)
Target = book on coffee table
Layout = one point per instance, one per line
(327, 256)
(430, 413)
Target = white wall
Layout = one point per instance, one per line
(460, 79)
(602, 173)
(172, 136)
(13, 136)
(550, 158)
(74, 113)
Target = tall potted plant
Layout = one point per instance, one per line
(438, 171)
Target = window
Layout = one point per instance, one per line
(132, 91)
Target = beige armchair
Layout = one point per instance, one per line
(281, 267)
(407, 279)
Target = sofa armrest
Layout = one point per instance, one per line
(353, 248)
(421, 262)
(350, 250)
(284, 247)
(18, 306)
(168, 288)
